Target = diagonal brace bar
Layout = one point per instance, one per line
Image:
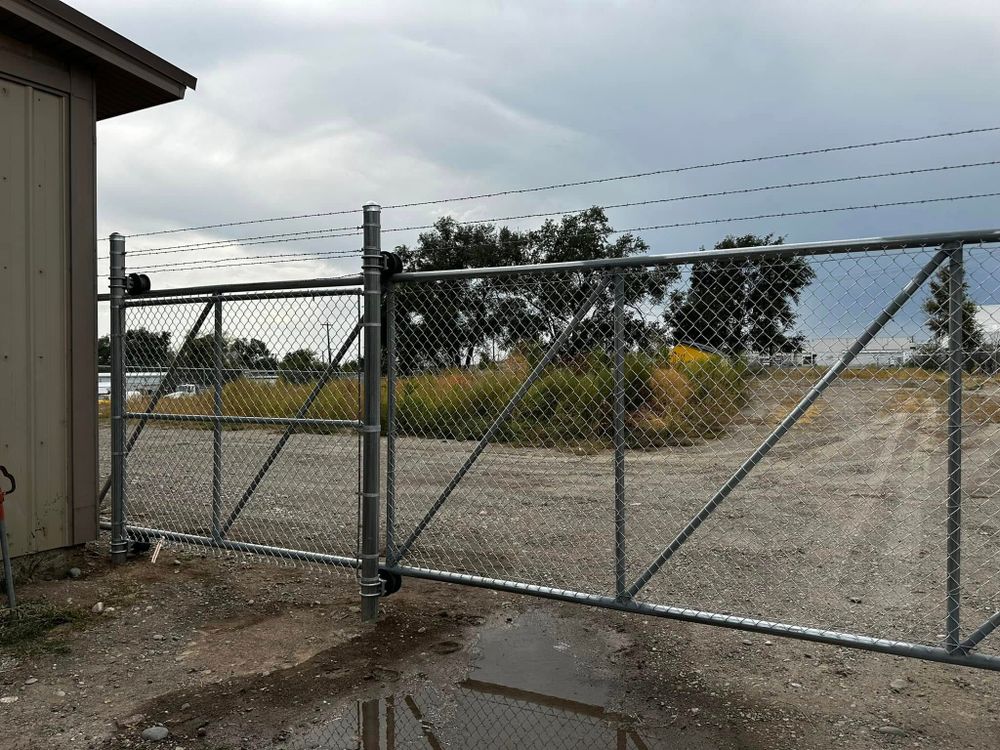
(786, 424)
(553, 350)
(289, 431)
(162, 388)
(980, 633)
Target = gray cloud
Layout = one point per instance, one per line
(312, 106)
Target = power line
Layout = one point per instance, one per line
(592, 181)
(296, 258)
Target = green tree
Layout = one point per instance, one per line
(300, 366)
(196, 362)
(250, 354)
(936, 307)
(444, 325)
(145, 348)
(465, 322)
(741, 305)
(104, 351)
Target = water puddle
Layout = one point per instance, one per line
(526, 689)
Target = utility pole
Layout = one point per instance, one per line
(329, 354)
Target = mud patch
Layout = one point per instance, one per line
(527, 687)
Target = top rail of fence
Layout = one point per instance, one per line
(834, 247)
(253, 286)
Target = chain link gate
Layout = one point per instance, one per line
(602, 432)
(630, 433)
(248, 437)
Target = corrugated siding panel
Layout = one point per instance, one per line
(34, 340)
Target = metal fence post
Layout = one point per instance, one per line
(390, 421)
(217, 381)
(618, 410)
(119, 541)
(956, 365)
(371, 265)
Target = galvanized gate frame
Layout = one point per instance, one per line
(956, 649)
(378, 288)
(214, 298)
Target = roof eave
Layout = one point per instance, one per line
(106, 49)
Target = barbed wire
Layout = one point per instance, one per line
(720, 193)
(259, 242)
(580, 183)
(290, 258)
(807, 212)
(305, 235)
(236, 241)
(211, 264)
(298, 257)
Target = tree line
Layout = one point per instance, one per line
(145, 349)
(735, 307)
(738, 306)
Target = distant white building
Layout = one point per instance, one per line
(135, 382)
(882, 350)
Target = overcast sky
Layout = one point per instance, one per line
(313, 106)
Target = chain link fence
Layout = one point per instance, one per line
(766, 439)
(799, 440)
(474, 714)
(244, 435)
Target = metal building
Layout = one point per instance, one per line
(60, 72)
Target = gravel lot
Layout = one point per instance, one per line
(841, 527)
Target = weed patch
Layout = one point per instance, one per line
(29, 628)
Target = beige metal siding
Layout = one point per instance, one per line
(34, 315)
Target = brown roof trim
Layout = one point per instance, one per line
(147, 79)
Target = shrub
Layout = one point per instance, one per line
(667, 400)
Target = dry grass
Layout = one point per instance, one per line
(28, 629)
(570, 405)
(981, 409)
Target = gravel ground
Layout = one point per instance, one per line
(841, 527)
(231, 653)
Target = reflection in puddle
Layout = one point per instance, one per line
(526, 689)
(477, 714)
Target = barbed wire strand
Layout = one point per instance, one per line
(296, 259)
(720, 193)
(293, 236)
(345, 253)
(208, 244)
(591, 181)
(781, 214)
(169, 268)
(261, 242)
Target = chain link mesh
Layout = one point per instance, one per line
(293, 358)
(474, 714)
(620, 434)
(841, 526)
